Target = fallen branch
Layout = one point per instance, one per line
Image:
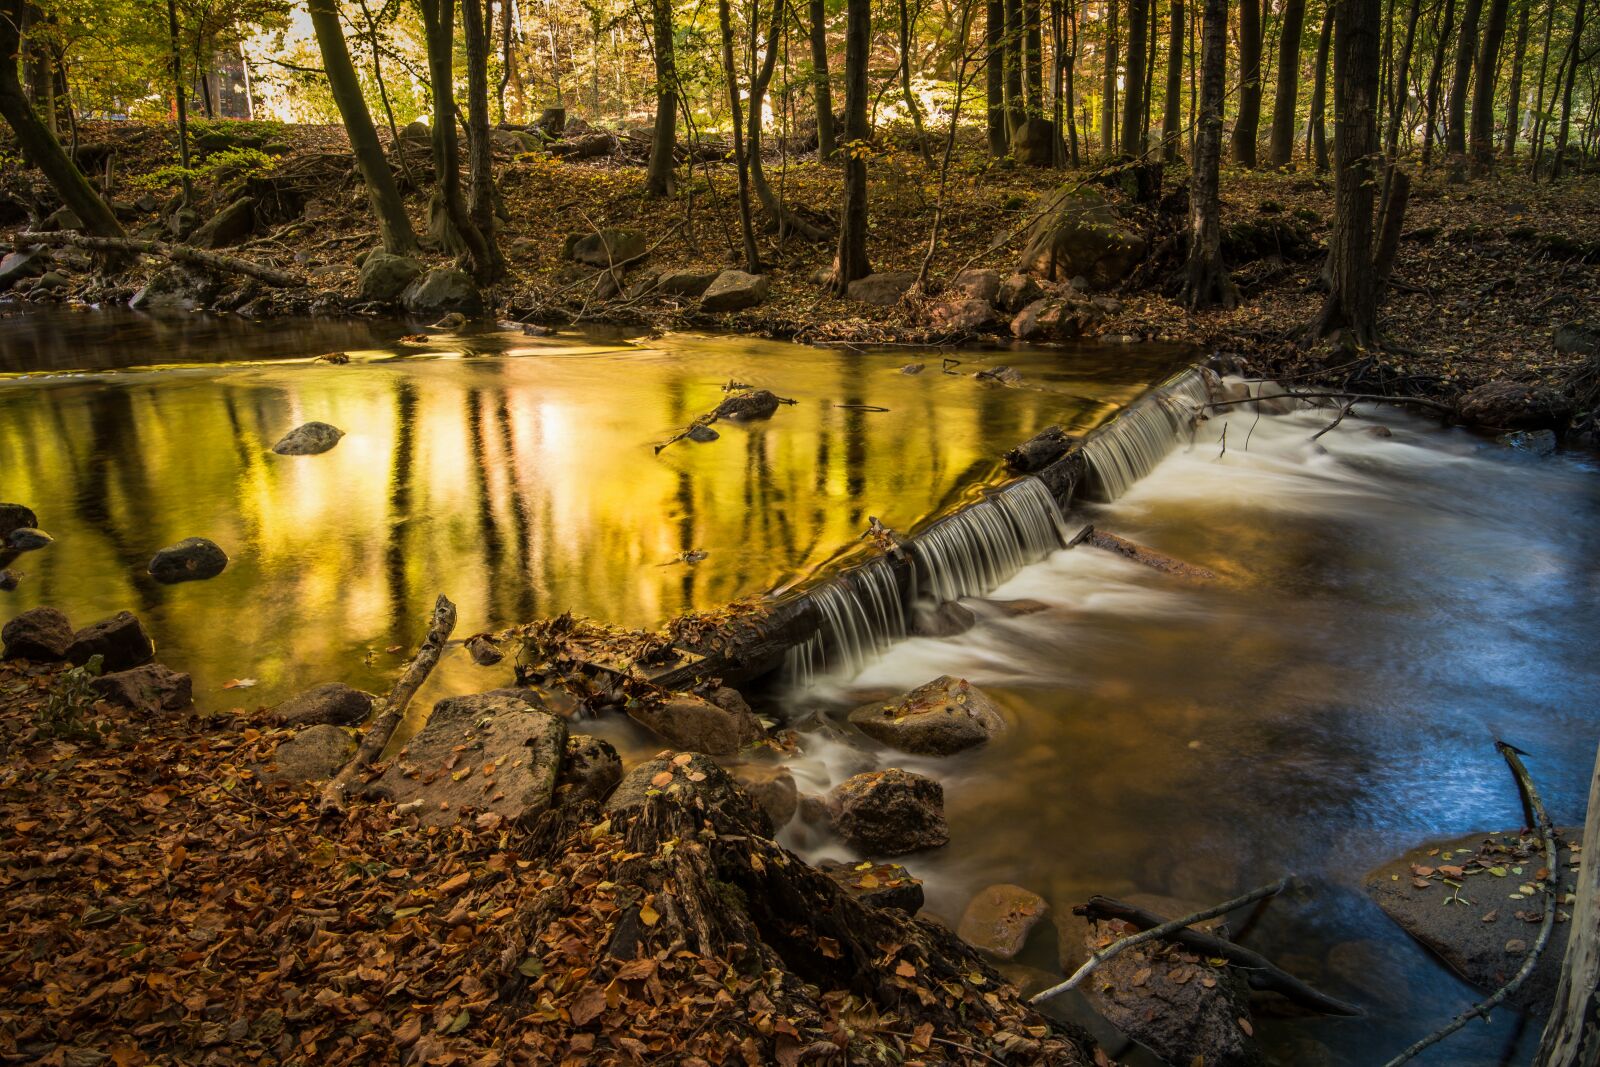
(1156, 932)
(1373, 397)
(186, 254)
(393, 706)
(1140, 554)
(1260, 972)
(1547, 835)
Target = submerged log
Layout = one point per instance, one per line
(1149, 557)
(178, 253)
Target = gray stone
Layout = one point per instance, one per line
(702, 434)
(748, 407)
(440, 290)
(733, 290)
(16, 517)
(28, 539)
(311, 755)
(608, 248)
(148, 689)
(1033, 142)
(22, 264)
(961, 313)
(977, 284)
(1017, 292)
(385, 276)
(50, 281)
(889, 812)
(883, 289)
(491, 753)
(417, 132)
(120, 641)
(169, 289)
(1054, 318)
(772, 788)
(693, 724)
(946, 619)
(62, 218)
(998, 919)
(516, 142)
(943, 717)
(41, 634)
(590, 771)
(687, 283)
(192, 559)
(229, 226)
(331, 703)
(883, 885)
(309, 439)
(1534, 442)
(1078, 233)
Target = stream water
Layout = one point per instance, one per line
(1388, 606)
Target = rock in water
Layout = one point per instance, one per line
(310, 439)
(734, 290)
(1515, 406)
(16, 517)
(26, 539)
(41, 634)
(945, 716)
(331, 702)
(147, 689)
(441, 290)
(702, 434)
(120, 641)
(998, 919)
(9, 580)
(889, 812)
(772, 787)
(590, 771)
(884, 885)
(488, 753)
(693, 724)
(311, 755)
(484, 651)
(192, 559)
(744, 407)
(1078, 233)
(384, 276)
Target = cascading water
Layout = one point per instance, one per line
(1130, 446)
(861, 612)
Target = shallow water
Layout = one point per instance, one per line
(515, 474)
(1388, 608)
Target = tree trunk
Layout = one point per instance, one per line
(449, 223)
(1133, 82)
(1575, 53)
(1153, 38)
(488, 266)
(907, 47)
(1494, 33)
(1455, 119)
(783, 219)
(1571, 1037)
(852, 258)
(510, 71)
(821, 90)
(994, 35)
(1391, 141)
(1108, 84)
(1316, 127)
(1207, 283)
(180, 97)
(382, 194)
(1068, 78)
(752, 258)
(1033, 58)
(658, 178)
(1281, 149)
(1244, 128)
(38, 144)
(1170, 116)
(1352, 299)
(1015, 108)
(1436, 80)
(1537, 133)
(1514, 98)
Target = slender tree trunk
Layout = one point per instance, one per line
(1316, 127)
(1206, 282)
(783, 219)
(1244, 128)
(487, 265)
(1015, 106)
(1494, 33)
(907, 47)
(822, 91)
(180, 96)
(1281, 149)
(1514, 98)
(1391, 141)
(852, 258)
(1352, 302)
(1069, 76)
(382, 193)
(1575, 53)
(1153, 41)
(994, 35)
(1436, 80)
(752, 258)
(1455, 119)
(1033, 58)
(658, 179)
(383, 95)
(1108, 84)
(1537, 133)
(449, 223)
(38, 143)
(1170, 117)
(1133, 82)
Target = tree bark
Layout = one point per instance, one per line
(1514, 97)
(1575, 53)
(1281, 149)
(1436, 80)
(1170, 119)
(658, 179)
(1033, 58)
(38, 144)
(449, 223)
(382, 194)
(1482, 137)
(1133, 82)
(851, 262)
(783, 219)
(1316, 127)
(1244, 128)
(488, 266)
(1536, 135)
(1108, 84)
(822, 91)
(994, 35)
(1352, 298)
(1571, 1034)
(1391, 141)
(180, 99)
(1015, 107)
(752, 257)
(1207, 283)
(1455, 118)
(907, 47)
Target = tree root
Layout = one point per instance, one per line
(178, 253)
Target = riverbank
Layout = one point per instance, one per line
(1488, 275)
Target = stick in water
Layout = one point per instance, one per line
(1157, 932)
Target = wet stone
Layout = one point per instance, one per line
(773, 789)
(309, 439)
(331, 702)
(28, 539)
(40, 634)
(150, 688)
(192, 559)
(16, 517)
(889, 812)
(999, 919)
(943, 717)
(120, 641)
(694, 724)
(883, 885)
(589, 772)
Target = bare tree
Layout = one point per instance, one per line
(1316, 126)
(1244, 127)
(821, 90)
(658, 179)
(1280, 149)
(1206, 282)
(1170, 120)
(851, 262)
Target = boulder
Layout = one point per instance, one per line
(384, 276)
(1033, 142)
(747, 407)
(1571, 339)
(1017, 292)
(946, 619)
(440, 290)
(227, 227)
(772, 787)
(62, 218)
(16, 517)
(331, 703)
(883, 289)
(961, 313)
(50, 281)
(26, 263)
(120, 641)
(1515, 406)
(977, 285)
(608, 248)
(693, 724)
(170, 289)
(192, 559)
(590, 770)
(1054, 318)
(1078, 233)
(998, 919)
(27, 539)
(889, 812)
(687, 778)
(417, 132)
(517, 142)
(311, 755)
(148, 689)
(42, 634)
(308, 439)
(943, 717)
(9, 580)
(734, 290)
(687, 283)
(883, 885)
(490, 753)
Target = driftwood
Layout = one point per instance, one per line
(178, 253)
(1155, 932)
(1259, 971)
(1572, 1036)
(393, 706)
(1376, 398)
(1547, 834)
(1140, 554)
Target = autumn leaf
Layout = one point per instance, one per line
(239, 683)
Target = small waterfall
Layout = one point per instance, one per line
(861, 613)
(1127, 448)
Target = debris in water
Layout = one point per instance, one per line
(690, 557)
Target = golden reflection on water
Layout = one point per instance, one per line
(517, 477)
